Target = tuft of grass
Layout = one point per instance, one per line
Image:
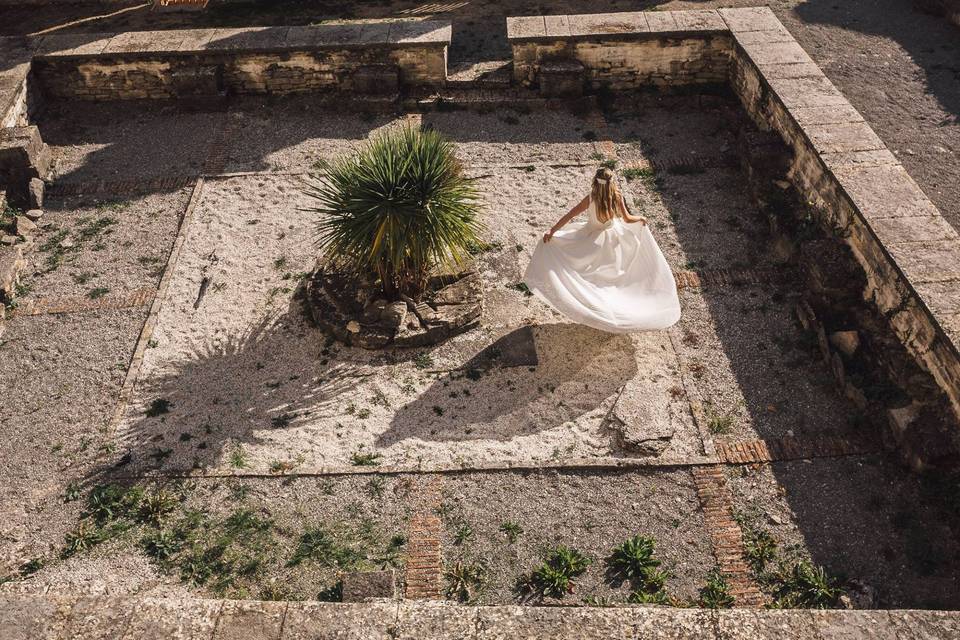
(646, 174)
(423, 360)
(98, 292)
(715, 594)
(83, 538)
(634, 560)
(362, 458)
(556, 577)
(463, 534)
(805, 585)
(238, 457)
(464, 579)
(318, 545)
(719, 423)
(156, 505)
(512, 530)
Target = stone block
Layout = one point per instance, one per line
(69, 45)
(706, 20)
(347, 621)
(380, 79)
(884, 192)
(96, 618)
(35, 190)
(561, 79)
(750, 19)
(424, 32)
(846, 342)
(923, 625)
(662, 22)
(247, 620)
(923, 229)
(807, 92)
(197, 81)
(173, 618)
(928, 261)
(872, 158)
(557, 623)
(375, 33)
(557, 26)
(853, 625)
(361, 586)
(11, 264)
(526, 27)
(607, 23)
(843, 138)
(427, 620)
(641, 422)
(744, 624)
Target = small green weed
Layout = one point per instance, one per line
(715, 594)
(512, 530)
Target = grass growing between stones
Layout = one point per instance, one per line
(241, 552)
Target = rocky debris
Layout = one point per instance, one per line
(922, 436)
(354, 314)
(640, 427)
(847, 342)
(25, 226)
(11, 263)
(34, 214)
(859, 595)
(35, 194)
(8, 240)
(393, 315)
(363, 586)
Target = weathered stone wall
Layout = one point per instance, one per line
(278, 60)
(625, 50)
(909, 253)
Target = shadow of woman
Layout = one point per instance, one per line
(486, 398)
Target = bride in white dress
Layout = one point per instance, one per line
(607, 271)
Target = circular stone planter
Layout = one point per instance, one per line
(355, 314)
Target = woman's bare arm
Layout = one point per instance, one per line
(578, 208)
(629, 217)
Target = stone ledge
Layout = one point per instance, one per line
(628, 25)
(248, 40)
(47, 617)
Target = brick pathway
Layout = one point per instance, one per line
(424, 572)
(125, 300)
(119, 187)
(726, 538)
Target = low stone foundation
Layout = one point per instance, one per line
(211, 62)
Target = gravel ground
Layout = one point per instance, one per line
(363, 513)
(60, 376)
(589, 512)
(761, 376)
(509, 137)
(289, 134)
(149, 141)
(90, 247)
(862, 518)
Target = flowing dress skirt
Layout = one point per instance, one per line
(610, 276)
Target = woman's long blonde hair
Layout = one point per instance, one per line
(605, 195)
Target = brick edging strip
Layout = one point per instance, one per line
(726, 538)
(125, 300)
(790, 448)
(424, 567)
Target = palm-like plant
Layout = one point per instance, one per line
(397, 209)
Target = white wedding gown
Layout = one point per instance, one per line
(610, 276)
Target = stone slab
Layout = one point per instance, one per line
(750, 19)
(918, 230)
(25, 617)
(884, 192)
(743, 624)
(97, 618)
(248, 39)
(662, 22)
(843, 137)
(807, 92)
(942, 298)
(514, 623)
(173, 619)
(700, 20)
(526, 27)
(833, 114)
(926, 625)
(853, 159)
(328, 621)
(766, 53)
(853, 625)
(248, 620)
(435, 621)
(928, 261)
(144, 42)
(775, 34)
(608, 23)
(788, 71)
(421, 32)
(557, 26)
(86, 44)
